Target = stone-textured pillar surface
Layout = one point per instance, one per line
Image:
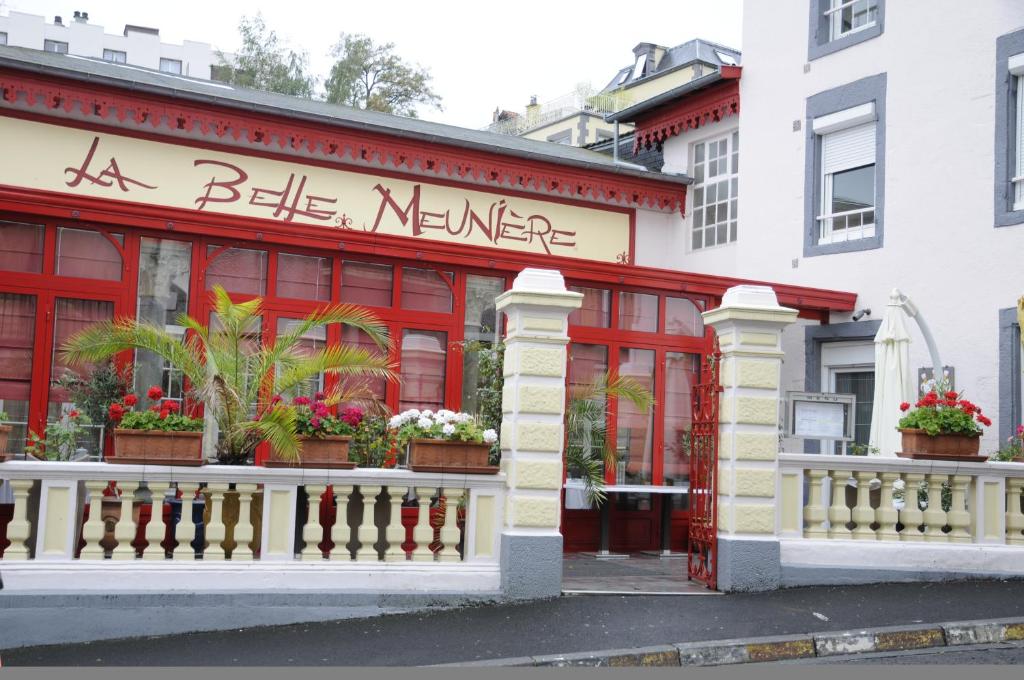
(532, 431)
(749, 325)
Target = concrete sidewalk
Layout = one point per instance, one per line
(561, 626)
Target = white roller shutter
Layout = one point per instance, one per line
(849, 148)
(1018, 198)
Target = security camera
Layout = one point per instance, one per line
(860, 314)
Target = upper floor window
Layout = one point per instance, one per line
(170, 65)
(716, 165)
(115, 56)
(1009, 129)
(849, 16)
(3, 38)
(55, 46)
(1017, 82)
(847, 184)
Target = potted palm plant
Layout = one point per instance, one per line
(233, 378)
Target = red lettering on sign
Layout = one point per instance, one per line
(107, 177)
(233, 194)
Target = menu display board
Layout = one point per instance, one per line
(820, 415)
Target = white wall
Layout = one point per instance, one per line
(940, 243)
(89, 40)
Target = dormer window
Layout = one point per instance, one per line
(638, 69)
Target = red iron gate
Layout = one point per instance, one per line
(702, 549)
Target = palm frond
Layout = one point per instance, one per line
(337, 359)
(277, 426)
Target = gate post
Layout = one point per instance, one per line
(533, 432)
(749, 325)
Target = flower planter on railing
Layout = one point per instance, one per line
(5, 433)
(329, 452)
(434, 455)
(919, 445)
(155, 447)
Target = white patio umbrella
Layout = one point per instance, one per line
(894, 379)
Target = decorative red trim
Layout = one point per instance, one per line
(348, 145)
(710, 105)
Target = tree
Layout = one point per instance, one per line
(370, 76)
(264, 63)
(233, 376)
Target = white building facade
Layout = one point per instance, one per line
(137, 45)
(881, 148)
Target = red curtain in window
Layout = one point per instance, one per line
(88, 255)
(17, 336)
(638, 312)
(423, 364)
(303, 277)
(634, 427)
(361, 387)
(363, 283)
(596, 310)
(423, 290)
(21, 247)
(682, 372)
(239, 270)
(71, 316)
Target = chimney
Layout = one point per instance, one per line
(57, 21)
(85, 16)
(533, 110)
(81, 17)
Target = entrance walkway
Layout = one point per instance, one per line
(638, 574)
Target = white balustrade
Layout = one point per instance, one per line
(207, 488)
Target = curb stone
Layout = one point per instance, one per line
(784, 647)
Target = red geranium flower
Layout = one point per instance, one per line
(73, 413)
(984, 421)
(951, 395)
(155, 393)
(116, 412)
(155, 408)
(904, 406)
(130, 400)
(171, 406)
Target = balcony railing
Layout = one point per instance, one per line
(99, 526)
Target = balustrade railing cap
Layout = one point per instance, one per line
(747, 296)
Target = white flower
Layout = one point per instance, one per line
(424, 423)
(396, 422)
(490, 436)
(411, 414)
(426, 413)
(463, 417)
(448, 430)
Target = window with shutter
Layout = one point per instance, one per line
(848, 184)
(1018, 178)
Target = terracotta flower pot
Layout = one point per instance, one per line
(435, 455)
(920, 445)
(330, 452)
(5, 433)
(156, 447)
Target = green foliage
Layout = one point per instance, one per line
(490, 382)
(264, 63)
(370, 442)
(60, 440)
(234, 376)
(944, 412)
(371, 76)
(1014, 447)
(588, 451)
(444, 425)
(152, 420)
(4, 417)
(93, 393)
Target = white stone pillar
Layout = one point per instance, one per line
(532, 431)
(749, 325)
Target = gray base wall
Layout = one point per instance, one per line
(531, 566)
(793, 577)
(748, 565)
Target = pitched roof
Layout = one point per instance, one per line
(691, 51)
(149, 81)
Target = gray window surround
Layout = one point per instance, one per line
(1006, 142)
(563, 137)
(818, 32)
(1010, 408)
(3, 37)
(814, 337)
(870, 89)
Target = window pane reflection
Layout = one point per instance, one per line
(423, 367)
(635, 428)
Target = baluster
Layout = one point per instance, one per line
(450, 530)
(93, 529)
(911, 516)
(156, 528)
(124, 530)
(886, 515)
(959, 517)
(815, 513)
(1014, 516)
(934, 515)
(423, 533)
(313, 532)
(243, 529)
(185, 532)
(19, 528)
(838, 512)
(863, 514)
(367, 532)
(395, 532)
(340, 532)
(216, 532)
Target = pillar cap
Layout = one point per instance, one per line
(750, 303)
(545, 287)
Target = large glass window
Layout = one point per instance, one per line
(239, 270)
(587, 363)
(17, 342)
(424, 290)
(303, 277)
(480, 327)
(596, 310)
(69, 317)
(363, 283)
(423, 369)
(360, 387)
(682, 317)
(21, 247)
(635, 428)
(861, 384)
(164, 270)
(88, 254)
(682, 372)
(715, 190)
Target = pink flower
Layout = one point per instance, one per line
(318, 396)
(276, 399)
(1020, 429)
(314, 423)
(320, 409)
(301, 401)
(353, 416)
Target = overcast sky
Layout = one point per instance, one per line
(482, 54)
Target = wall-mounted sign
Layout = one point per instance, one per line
(927, 383)
(816, 415)
(103, 165)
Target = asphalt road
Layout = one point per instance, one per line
(564, 625)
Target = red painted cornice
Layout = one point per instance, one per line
(709, 105)
(347, 144)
